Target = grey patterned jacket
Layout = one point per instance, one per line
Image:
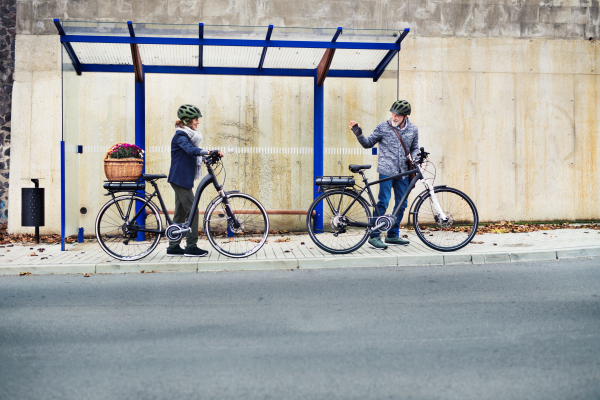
(392, 159)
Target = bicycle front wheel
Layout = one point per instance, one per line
(450, 235)
(343, 223)
(119, 234)
(242, 235)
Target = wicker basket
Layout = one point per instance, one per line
(122, 169)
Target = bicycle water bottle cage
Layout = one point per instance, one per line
(327, 181)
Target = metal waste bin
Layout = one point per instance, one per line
(32, 208)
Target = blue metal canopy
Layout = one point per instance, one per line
(141, 48)
(228, 50)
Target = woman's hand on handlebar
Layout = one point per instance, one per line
(216, 152)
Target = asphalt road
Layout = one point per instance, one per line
(504, 331)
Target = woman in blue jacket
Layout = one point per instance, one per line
(186, 163)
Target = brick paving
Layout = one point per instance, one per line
(301, 252)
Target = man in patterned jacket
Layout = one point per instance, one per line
(392, 161)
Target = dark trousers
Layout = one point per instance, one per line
(400, 185)
(184, 198)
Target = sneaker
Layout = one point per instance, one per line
(174, 251)
(377, 244)
(195, 252)
(396, 241)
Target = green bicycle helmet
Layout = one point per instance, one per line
(188, 111)
(401, 107)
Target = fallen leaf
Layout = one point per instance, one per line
(44, 258)
(24, 273)
(286, 251)
(33, 254)
(474, 242)
(287, 239)
(301, 242)
(495, 244)
(142, 271)
(86, 275)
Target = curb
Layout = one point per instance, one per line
(304, 263)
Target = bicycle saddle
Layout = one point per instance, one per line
(357, 168)
(151, 177)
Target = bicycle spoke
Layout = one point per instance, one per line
(336, 236)
(122, 239)
(448, 235)
(245, 239)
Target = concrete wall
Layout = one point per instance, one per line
(8, 19)
(507, 104)
(550, 19)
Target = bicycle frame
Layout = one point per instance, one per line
(207, 180)
(418, 177)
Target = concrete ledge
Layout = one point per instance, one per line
(450, 259)
(347, 262)
(421, 260)
(533, 256)
(49, 269)
(589, 252)
(125, 267)
(478, 258)
(497, 258)
(248, 265)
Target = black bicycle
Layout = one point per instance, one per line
(129, 226)
(444, 218)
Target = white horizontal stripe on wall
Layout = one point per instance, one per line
(243, 150)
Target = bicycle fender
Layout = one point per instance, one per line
(419, 196)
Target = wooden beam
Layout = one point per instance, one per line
(324, 65)
(137, 62)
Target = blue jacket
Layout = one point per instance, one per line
(183, 160)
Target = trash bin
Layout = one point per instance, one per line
(32, 208)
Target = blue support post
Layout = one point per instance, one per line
(80, 236)
(140, 138)
(62, 195)
(318, 144)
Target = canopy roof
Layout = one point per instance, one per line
(228, 49)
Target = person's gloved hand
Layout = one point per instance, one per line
(356, 129)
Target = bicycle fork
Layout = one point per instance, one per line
(235, 224)
(436, 205)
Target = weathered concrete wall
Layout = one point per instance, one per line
(552, 19)
(8, 19)
(513, 122)
(37, 121)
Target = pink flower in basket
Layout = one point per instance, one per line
(126, 150)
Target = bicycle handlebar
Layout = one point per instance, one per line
(422, 156)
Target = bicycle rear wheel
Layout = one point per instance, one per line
(339, 209)
(245, 239)
(119, 236)
(453, 234)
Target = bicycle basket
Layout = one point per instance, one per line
(329, 181)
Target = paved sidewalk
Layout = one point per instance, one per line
(301, 252)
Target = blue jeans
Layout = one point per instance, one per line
(400, 186)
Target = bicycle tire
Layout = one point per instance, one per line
(112, 237)
(324, 238)
(459, 231)
(230, 241)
